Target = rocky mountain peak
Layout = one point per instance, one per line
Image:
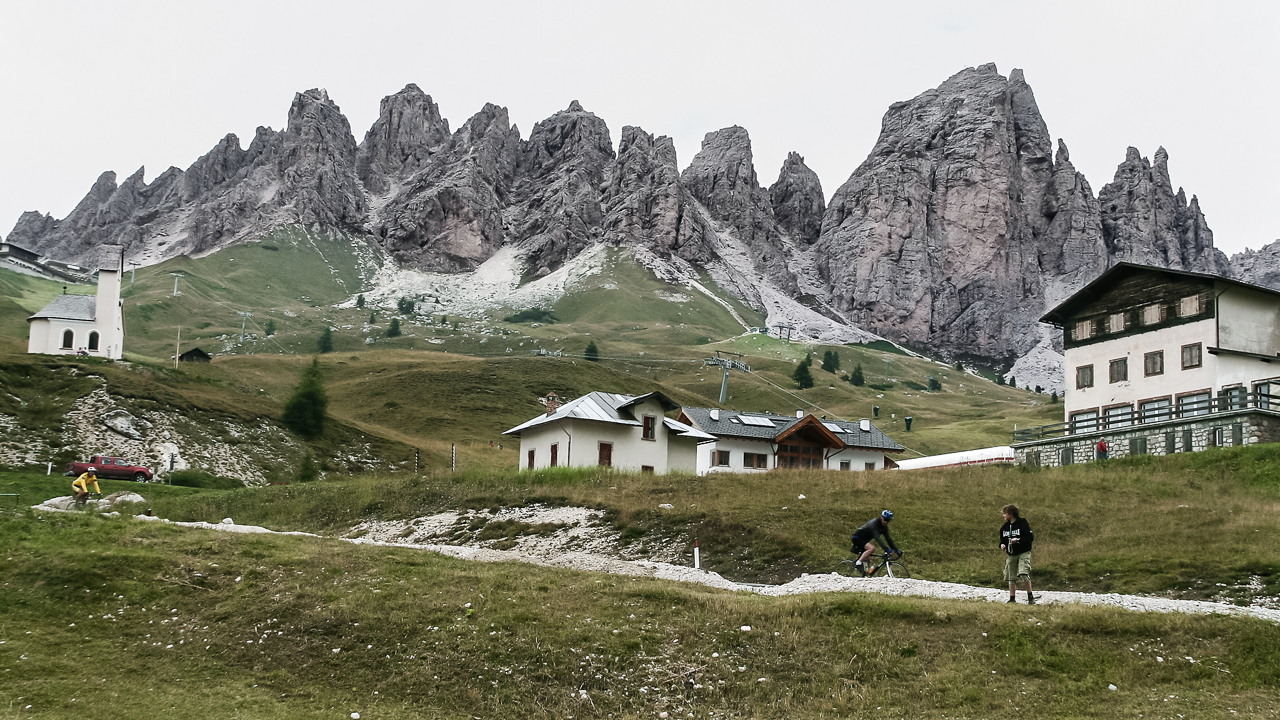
(408, 132)
(797, 200)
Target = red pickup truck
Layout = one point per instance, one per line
(110, 468)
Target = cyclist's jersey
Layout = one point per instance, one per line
(876, 530)
(82, 483)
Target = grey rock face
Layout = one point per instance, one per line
(937, 239)
(409, 131)
(722, 178)
(447, 216)
(1259, 267)
(797, 200)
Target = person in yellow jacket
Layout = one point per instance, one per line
(81, 485)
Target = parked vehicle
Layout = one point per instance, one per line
(110, 468)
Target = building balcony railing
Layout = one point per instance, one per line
(1184, 409)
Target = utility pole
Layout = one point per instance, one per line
(177, 348)
(175, 281)
(133, 271)
(727, 364)
(784, 331)
(244, 316)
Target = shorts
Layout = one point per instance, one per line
(860, 543)
(1016, 566)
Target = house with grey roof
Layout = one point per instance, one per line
(755, 442)
(609, 429)
(84, 324)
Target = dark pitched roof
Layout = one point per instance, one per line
(69, 307)
(1063, 310)
(603, 407)
(731, 424)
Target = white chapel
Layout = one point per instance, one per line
(84, 324)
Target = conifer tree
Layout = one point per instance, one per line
(304, 413)
(394, 330)
(326, 341)
(802, 376)
(360, 301)
(857, 378)
(592, 353)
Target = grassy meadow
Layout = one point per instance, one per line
(135, 619)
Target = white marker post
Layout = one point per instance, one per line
(697, 560)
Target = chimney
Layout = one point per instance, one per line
(864, 425)
(553, 403)
(715, 414)
(799, 413)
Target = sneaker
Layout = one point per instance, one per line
(1011, 599)
(1031, 599)
(861, 570)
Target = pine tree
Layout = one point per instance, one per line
(802, 376)
(308, 471)
(270, 329)
(372, 318)
(394, 330)
(934, 384)
(360, 301)
(326, 341)
(304, 413)
(1053, 399)
(808, 360)
(592, 353)
(857, 378)
(1013, 382)
(835, 361)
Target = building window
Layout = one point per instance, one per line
(1155, 410)
(1115, 322)
(1232, 398)
(1191, 356)
(1152, 314)
(1119, 370)
(1083, 330)
(755, 460)
(530, 459)
(1138, 446)
(606, 455)
(844, 465)
(1170, 443)
(1084, 377)
(93, 340)
(1153, 363)
(1189, 307)
(1118, 417)
(1067, 456)
(1194, 405)
(646, 469)
(68, 339)
(649, 432)
(1237, 435)
(869, 466)
(1083, 422)
(720, 458)
(1263, 393)
(555, 454)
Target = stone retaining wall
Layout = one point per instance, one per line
(1229, 429)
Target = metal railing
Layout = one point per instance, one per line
(1184, 409)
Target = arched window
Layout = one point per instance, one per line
(93, 340)
(68, 339)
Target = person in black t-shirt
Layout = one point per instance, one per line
(1015, 540)
(865, 538)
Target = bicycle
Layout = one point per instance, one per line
(891, 564)
(81, 504)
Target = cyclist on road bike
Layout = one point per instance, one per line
(81, 486)
(866, 537)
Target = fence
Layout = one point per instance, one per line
(1186, 408)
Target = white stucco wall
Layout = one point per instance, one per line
(1137, 388)
(1249, 321)
(45, 334)
(579, 443)
(857, 458)
(46, 337)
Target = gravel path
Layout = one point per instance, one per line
(550, 552)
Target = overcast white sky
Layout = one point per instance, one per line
(93, 86)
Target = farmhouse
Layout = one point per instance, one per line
(623, 431)
(755, 442)
(1162, 361)
(84, 324)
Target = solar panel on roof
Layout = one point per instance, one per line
(757, 421)
(833, 427)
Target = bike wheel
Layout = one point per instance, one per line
(898, 570)
(847, 568)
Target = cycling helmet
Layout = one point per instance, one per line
(886, 515)
(92, 470)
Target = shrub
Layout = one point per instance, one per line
(857, 378)
(1053, 398)
(326, 341)
(304, 413)
(592, 353)
(270, 329)
(934, 384)
(360, 301)
(394, 330)
(405, 306)
(537, 315)
(802, 376)
(308, 470)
